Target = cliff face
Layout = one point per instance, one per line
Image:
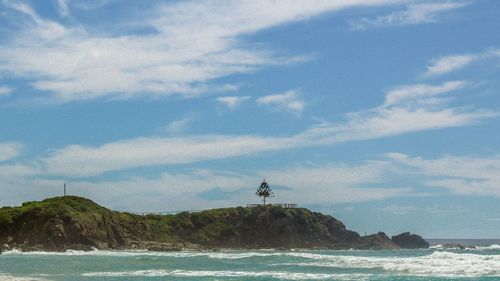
(68, 222)
(62, 223)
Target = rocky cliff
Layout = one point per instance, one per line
(71, 222)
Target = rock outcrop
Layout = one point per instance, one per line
(409, 241)
(62, 223)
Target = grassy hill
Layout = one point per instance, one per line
(71, 222)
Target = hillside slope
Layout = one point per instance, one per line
(71, 222)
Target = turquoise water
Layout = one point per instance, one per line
(429, 264)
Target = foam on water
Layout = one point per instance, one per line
(422, 263)
(439, 263)
(491, 247)
(214, 273)
(182, 254)
(7, 277)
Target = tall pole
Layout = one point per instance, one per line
(65, 189)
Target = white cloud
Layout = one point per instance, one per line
(414, 14)
(476, 176)
(409, 108)
(179, 126)
(335, 183)
(42, 30)
(404, 113)
(328, 184)
(15, 171)
(450, 63)
(232, 102)
(5, 91)
(331, 183)
(87, 161)
(194, 43)
(419, 91)
(9, 150)
(63, 7)
(288, 101)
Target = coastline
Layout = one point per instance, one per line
(63, 223)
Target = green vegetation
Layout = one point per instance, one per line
(71, 222)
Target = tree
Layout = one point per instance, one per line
(264, 191)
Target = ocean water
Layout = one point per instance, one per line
(429, 264)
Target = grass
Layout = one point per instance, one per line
(210, 227)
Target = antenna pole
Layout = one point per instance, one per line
(64, 189)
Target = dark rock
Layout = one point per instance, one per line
(63, 223)
(410, 241)
(377, 241)
(165, 247)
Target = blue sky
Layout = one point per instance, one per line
(383, 113)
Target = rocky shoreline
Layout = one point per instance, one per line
(75, 223)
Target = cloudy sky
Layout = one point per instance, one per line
(384, 113)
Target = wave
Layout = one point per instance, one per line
(209, 273)
(6, 277)
(136, 253)
(433, 263)
(439, 263)
(469, 248)
(491, 247)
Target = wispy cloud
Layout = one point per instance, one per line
(328, 184)
(232, 102)
(80, 160)
(193, 43)
(17, 171)
(476, 176)
(63, 7)
(178, 126)
(5, 91)
(288, 101)
(9, 150)
(413, 14)
(446, 64)
(40, 30)
(421, 92)
(407, 110)
(337, 183)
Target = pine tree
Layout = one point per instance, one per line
(264, 191)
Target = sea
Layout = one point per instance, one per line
(436, 263)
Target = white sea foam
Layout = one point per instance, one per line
(181, 254)
(438, 263)
(7, 277)
(491, 247)
(214, 273)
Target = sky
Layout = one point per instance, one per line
(382, 113)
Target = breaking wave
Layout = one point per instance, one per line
(182, 254)
(214, 273)
(440, 263)
(6, 277)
